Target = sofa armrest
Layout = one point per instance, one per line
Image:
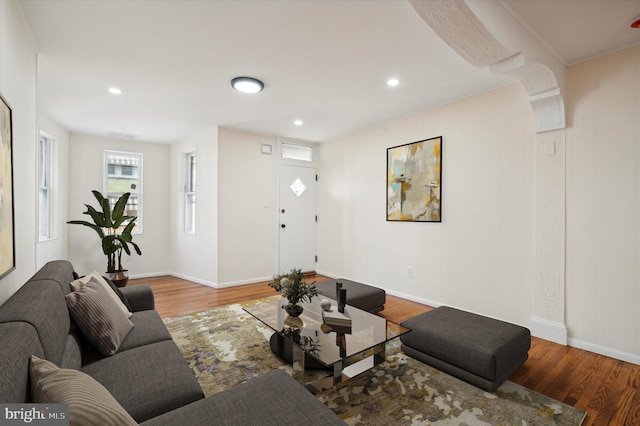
(140, 297)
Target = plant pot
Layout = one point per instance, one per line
(120, 278)
(293, 310)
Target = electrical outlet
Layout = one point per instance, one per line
(409, 271)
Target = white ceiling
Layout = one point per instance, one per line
(324, 62)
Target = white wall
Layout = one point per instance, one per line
(247, 230)
(18, 87)
(56, 247)
(195, 257)
(481, 257)
(603, 205)
(86, 157)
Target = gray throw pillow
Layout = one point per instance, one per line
(99, 317)
(89, 402)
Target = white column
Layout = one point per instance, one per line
(549, 295)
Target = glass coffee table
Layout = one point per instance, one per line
(310, 344)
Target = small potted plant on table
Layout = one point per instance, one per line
(293, 287)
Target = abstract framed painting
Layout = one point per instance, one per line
(7, 238)
(414, 181)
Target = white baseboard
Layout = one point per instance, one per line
(428, 302)
(549, 330)
(243, 282)
(327, 274)
(217, 285)
(612, 353)
(151, 275)
(194, 279)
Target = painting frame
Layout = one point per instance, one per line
(414, 181)
(7, 215)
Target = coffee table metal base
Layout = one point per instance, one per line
(342, 370)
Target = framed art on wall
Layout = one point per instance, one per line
(414, 177)
(7, 242)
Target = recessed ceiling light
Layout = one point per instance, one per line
(115, 91)
(393, 82)
(298, 122)
(247, 84)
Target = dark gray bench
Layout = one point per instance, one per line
(480, 350)
(362, 296)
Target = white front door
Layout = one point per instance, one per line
(297, 218)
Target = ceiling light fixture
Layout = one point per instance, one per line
(115, 91)
(247, 84)
(393, 82)
(298, 122)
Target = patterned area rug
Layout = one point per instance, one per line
(226, 346)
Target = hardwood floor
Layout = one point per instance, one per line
(606, 388)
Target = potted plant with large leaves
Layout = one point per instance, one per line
(114, 228)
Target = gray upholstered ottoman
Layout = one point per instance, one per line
(362, 296)
(480, 350)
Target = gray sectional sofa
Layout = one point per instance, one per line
(147, 376)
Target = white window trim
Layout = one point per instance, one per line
(105, 161)
(188, 191)
(312, 145)
(50, 188)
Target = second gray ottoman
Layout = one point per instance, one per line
(480, 350)
(362, 296)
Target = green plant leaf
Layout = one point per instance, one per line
(98, 195)
(98, 217)
(106, 210)
(126, 233)
(118, 223)
(89, 225)
(135, 246)
(118, 209)
(124, 245)
(110, 244)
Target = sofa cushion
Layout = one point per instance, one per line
(149, 380)
(89, 402)
(72, 357)
(99, 318)
(41, 304)
(272, 399)
(97, 278)
(60, 271)
(19, 341)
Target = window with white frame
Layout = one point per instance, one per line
(45, 167)
(123, 173)
(190, 194)
(297, 152)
